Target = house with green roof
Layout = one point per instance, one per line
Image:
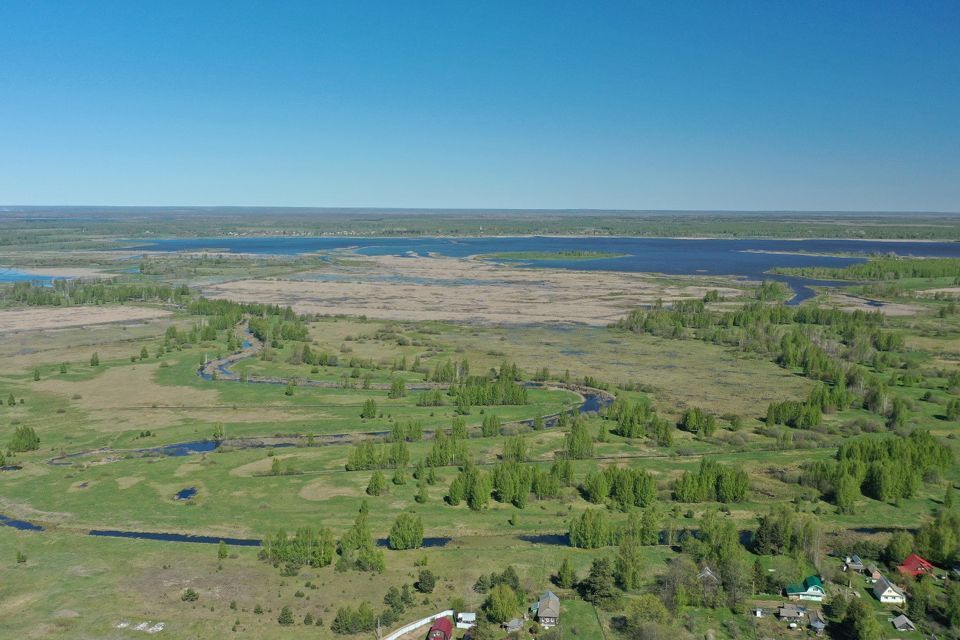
(810, 589)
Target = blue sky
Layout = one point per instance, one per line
(634, 105)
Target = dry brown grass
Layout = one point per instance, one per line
(326, 487)
(129, 481)
(39, 318)
(846, 302)
(507, 295)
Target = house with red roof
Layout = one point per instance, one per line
(442, 629)
(914, 565)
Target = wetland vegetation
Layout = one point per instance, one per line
(362, 466)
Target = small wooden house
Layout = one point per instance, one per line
(887, 592)
(548, 609)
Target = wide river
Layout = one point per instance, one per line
(744, 258)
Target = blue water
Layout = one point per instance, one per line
(427, 542)
(175, 537)
(745, 258)
(185, 494)
(16, 275)
(22, 525)
(183, 448)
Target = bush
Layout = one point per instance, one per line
(190, 596)
(425, 582)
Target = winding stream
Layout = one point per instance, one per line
(594, 400)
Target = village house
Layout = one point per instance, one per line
(873, 573)
(546, 611)
(853, 563)
(915, 566)
(817, 622)
(791, 613)
(707, 576)
(810, 589)
(903, 623)
(887, 592)
(442, 629)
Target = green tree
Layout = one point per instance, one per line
(426, 581)
(286, 616)
(377, 485)
(36, 375)
(599, 587)
(144, 354)
(63, 367)
(847, 493)
(646, 609)
(397, 388)
(502, 603)
(952, 609)
(629, 564)
(95, 359)
(921, 598)
(369, 409)
(24, 439)
(406, 532)
(222, 550)
(899, 546)
(578, 442)
(566, 577)
(860, 622)
(189, 595)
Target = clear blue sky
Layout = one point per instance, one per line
(705, 105)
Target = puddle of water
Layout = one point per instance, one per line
(184, 448)
(22, 525)
(186, 494)
(560, 539)
(174, 537)
(428, 543)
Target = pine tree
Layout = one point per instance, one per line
(377, 485)
(222, 550)
(286, 616)
(95, 360)
(566, 578)
(629, 564)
